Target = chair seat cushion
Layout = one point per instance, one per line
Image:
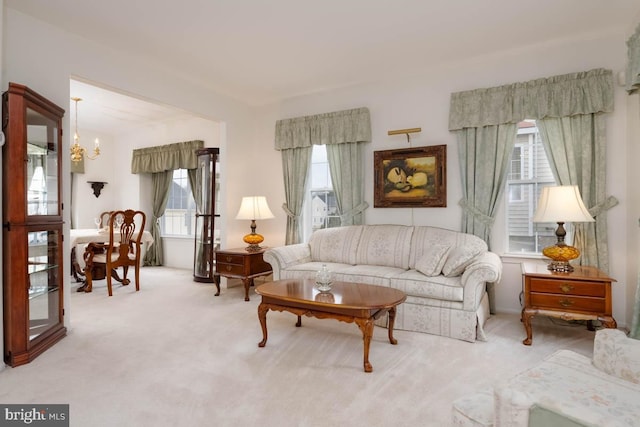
(102, 258)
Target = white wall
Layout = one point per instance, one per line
(423, 101)
(45, 58)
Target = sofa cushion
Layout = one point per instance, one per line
(386, 245)
(336, 244)
(433, 260)
(367, 274)
(414, 283)
(463, 254)
(424, 237)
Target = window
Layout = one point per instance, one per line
(529, 172)
(321, 206)
(179, 216)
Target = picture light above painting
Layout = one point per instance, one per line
(410, 178)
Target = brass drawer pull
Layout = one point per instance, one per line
(566, 302)
(228, 267)
(229, 258)
(566, 288)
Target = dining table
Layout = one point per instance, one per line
(82, 236)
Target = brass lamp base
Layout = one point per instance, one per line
(253, 240)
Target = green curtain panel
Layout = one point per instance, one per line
(347, 176)
(576, 148)
(160, 182)
(181, 155)
(633, 62)
(342, 132)
(295, 167)
(484, 155)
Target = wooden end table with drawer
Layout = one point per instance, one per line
(583, 294)
(240, 264)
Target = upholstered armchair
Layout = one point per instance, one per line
(566, 389)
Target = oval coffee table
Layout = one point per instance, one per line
(347, 302)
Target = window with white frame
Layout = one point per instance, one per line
(528, 173)
(179, 216)
(320, 205)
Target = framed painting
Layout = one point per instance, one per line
(411, 177)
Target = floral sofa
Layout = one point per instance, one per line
(566, 389)
(444, 273)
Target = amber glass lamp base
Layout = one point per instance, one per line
(253, 240)
(560, 255)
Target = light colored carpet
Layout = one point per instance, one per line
(174, 354)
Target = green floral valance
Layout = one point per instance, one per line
(633, 62)
(181, 155)
(339, 127)
(559, 96)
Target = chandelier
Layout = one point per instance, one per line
(77, 151)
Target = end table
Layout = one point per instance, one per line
(240, 264)
(583, 294)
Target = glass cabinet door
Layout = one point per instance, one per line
(43, 280)
(207, 197)
(42, 164)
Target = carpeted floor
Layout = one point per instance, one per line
(174, 354)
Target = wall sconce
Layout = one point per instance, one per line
(97, 187)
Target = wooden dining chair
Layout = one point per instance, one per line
(122, 250)
(104, 218)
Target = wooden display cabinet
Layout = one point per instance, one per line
(206, 194)
(32, 227)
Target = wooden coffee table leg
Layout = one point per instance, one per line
(392, 321)
(262, 315)
(299, 322)
(366, 326)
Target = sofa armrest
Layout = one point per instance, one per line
(616, 354)
(486, 268)
(286, 256)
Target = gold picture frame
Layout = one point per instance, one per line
(410, 177)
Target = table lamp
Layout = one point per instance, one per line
(254, 207)
(561, 204)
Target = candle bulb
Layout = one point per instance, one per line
(97, 143)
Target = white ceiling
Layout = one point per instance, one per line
(261, 51)
(111, 112)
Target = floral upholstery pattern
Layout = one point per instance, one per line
(568, 385)
(386, 245)
(618, 355)
(387, 255)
